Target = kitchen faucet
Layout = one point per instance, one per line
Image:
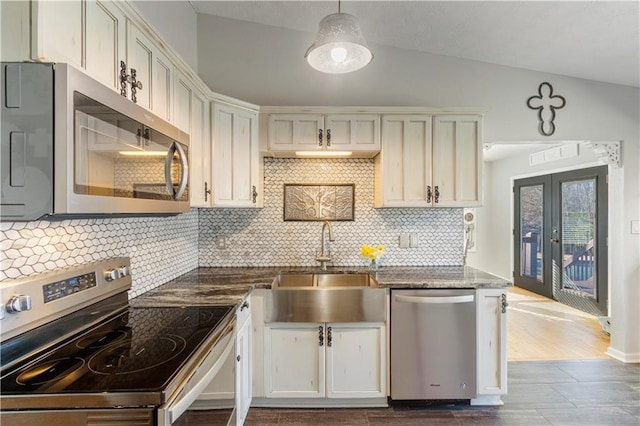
(322, 257)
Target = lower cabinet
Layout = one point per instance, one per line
(325, 360)
(491, 319)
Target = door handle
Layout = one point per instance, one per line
(435, 299)
(554, 241)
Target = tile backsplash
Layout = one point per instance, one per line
(260, 237)
(160, 248)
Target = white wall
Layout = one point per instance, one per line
(264, 65)
(176, 23)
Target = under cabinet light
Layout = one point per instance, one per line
(323, 153)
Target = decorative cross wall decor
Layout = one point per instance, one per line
(546, 103)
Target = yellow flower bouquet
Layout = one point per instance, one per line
(373, 253)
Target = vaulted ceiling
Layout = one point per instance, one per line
(595, 40)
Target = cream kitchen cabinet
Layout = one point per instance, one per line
(89, 35)
(153, 69)
(332, 360)
(330, 133)
(491, 323)
(428, 161)
(236, 166)
(457, 161)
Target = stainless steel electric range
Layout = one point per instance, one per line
(74, 352)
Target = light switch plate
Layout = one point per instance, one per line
(635, 226)
(414, 240)
(221, 242)
(405, 240)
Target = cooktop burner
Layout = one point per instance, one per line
(137, 350)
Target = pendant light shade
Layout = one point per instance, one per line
(340, 47)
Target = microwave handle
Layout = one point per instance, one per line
(184, 176)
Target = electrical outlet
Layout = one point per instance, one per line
(414, 241)
(635, 226)
(405, 241)
(221, 242)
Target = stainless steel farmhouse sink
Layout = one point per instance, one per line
(325, 297)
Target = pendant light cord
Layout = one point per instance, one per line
(338, 6)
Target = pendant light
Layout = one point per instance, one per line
(340, 47)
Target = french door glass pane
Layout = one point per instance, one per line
(531, 208)
(579, 236)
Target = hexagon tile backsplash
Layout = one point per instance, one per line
(160, 248)
(260, 237)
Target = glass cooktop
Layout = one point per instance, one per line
(139, 350)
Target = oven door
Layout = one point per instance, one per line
(210, 368)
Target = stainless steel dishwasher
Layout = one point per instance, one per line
(433, 344)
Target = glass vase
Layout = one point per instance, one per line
(373, 266)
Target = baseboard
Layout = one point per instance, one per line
(319, 402)
(487, 400)
(623, 356)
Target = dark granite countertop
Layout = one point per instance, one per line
(228, 286)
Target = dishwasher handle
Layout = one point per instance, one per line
(440, 300)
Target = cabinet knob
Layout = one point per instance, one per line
(238, 358)
(244, 306)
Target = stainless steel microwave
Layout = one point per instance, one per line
(72, 147)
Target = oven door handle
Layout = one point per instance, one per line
(169, 412)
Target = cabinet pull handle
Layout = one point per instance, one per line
(206, 191)
(321, 335)
(244, 306)
(429, 194)
(123, 79)
(254, 194)
(329, 337)
(238, 358)
(504, 303)
(146, 135)
(320, 137)
(135, 85)
(138, 136)
(436, 195)
(328, 137)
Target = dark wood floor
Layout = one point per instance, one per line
(586, 392)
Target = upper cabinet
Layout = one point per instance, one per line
(324, 133)
(429, 161)
(236, 166)
(89, 35)
(153, 70)
(457, 161)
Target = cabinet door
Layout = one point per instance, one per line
(235, 158)
(492, 341)
(295, 132)
(294, 360)
(243, 371)
(161, 85)
(140, 57)
(403, 168)
(457, 161)
(354, 132)
(182, 94)
(356, 360)
(58, 31)
(105, 42)
(200, 152)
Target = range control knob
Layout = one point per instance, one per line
(111, 274)
(18, 303)
(124, 271)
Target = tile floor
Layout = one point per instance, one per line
(599, 392)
